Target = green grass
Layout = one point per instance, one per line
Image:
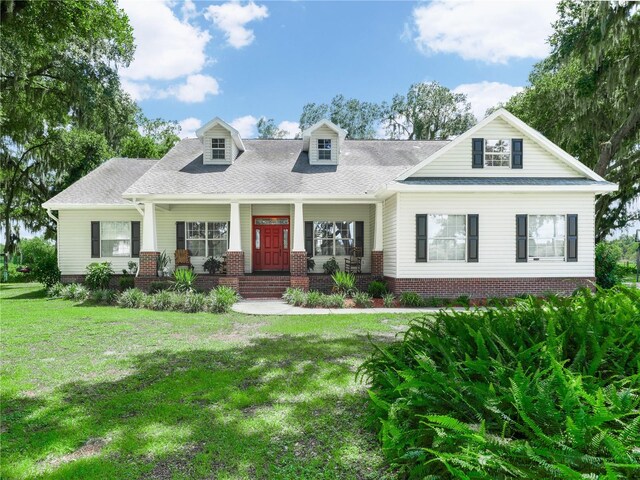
(103, 392)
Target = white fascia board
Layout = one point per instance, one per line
(88, 206)
(498, 188)
(255, 199)
(518, 125)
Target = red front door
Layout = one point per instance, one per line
(271, 244)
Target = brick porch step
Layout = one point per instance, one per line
(264, 286)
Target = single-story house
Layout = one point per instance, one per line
(500, 210)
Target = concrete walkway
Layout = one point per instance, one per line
(279, 307)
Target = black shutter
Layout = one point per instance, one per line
(516, 153)
(477, 153)
(572, 238)
(135, 239)
(180, 236)
(521, 238)
(421, 238)
(360, 237)
(95, 239)
(472, 238)
(308, 238)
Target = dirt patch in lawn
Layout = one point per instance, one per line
(90, 449)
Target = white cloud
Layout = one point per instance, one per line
(137, 90)
(166, 47)
(196, 88)
(484, 95)
(292, 128)
(188, 10)
(188, 127)
(493, 32)
(231, 18)
(246, 126)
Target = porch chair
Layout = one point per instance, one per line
(183, 259)
(353, 263)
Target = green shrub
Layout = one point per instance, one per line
(344, 283)
(158, 286)
(389, 300)
(411, 300)
(161, 300)
(314, 299)
(463, 301)
(75, 292)
(104, 295)
(295, 296)
(543, 389)
(193, 302)
(41, 258)
(221, 299)
(330, 266)
(13, 275)
(126, 282)
(132, 298)
(184, 280)
(335, 300)
(362, 300)
(607, 256)
(98, 275)
(377, 289)
(55, 290)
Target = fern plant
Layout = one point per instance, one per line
(344, 283)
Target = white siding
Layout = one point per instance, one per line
(323, 132)
(537, 162)
(497, 245)
(74, 238)
(337, 213)
(217, 132)
(390, 235)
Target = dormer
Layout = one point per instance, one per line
(323, 141)
(221, 143)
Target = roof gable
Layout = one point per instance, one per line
(306, 134)
(218, 122)
(565, 164)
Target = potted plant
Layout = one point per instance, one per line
(163, 261)
(311, 264)
(212, 265)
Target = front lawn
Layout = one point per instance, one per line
(103, 392)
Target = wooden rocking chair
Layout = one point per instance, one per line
(353, 264)
(183, 259)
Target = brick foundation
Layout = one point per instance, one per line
(487, 287)
(300, 282)
(229, 281)
(377, 263)
(324, 283)
(235, 263)
(298, 264)
(113, 283)
(148, 264)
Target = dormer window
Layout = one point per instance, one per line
(497, 153)
(324, 149)
(218, 150)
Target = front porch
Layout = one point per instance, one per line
(266, 246)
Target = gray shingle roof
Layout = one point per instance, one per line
(280, 166)
(501, 181)
(105, 184)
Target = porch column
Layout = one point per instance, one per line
(377, 255)
(235, 255)
(298, 254)
(148, 262)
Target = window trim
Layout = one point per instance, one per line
(217, 149)
(333, 249)
(531, 258)
(324, 149)
(206, 238)
(130, 239)
(466, 238)
(509, 153)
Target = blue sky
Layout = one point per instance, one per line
(241, 61)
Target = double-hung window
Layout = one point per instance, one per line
(497, 153)
(205, 239)
(334, 238)
(546, 236)
(447, 238)
(324, 149)
(115, 239)
(218, 151)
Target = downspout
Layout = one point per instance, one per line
(55, 219)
